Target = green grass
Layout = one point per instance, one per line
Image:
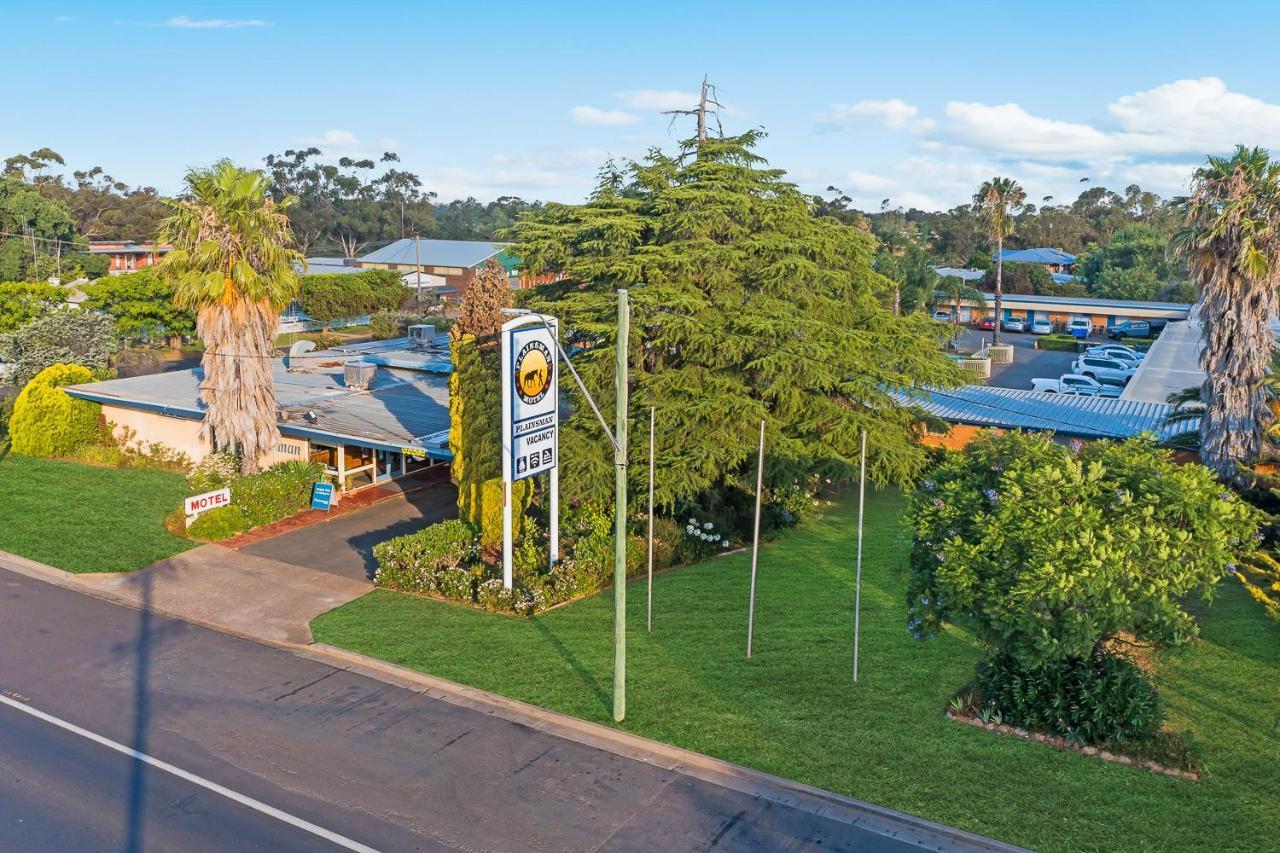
(87, 519)
(792, 710)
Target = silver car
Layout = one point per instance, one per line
(1014, 324)
(1103, 369)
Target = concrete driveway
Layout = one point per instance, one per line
(344, 545)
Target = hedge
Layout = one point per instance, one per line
(1058, 342)
(256, 500)
(48, 421)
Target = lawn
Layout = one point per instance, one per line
(792, 710)
(87, 519)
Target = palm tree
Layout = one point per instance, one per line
(233, 265)
(1231, 245)
(998, 202)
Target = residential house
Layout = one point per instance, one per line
(128, 256)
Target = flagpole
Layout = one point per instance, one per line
(755, 543)
(857, 578)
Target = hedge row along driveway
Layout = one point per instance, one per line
(792, 710)
(82, 518)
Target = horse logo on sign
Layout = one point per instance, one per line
(533, 372)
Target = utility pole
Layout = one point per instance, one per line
(620, 516)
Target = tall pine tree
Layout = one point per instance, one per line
(746, 306)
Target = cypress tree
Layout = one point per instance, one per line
(746, 306)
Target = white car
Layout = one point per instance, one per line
(1014, 324)
(1041, 327)
(942, 316)
(1103, 369)
(1117, 351)
(1072, 383)
(1080, 327)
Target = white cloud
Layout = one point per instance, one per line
(62, 19)
(558, 175)
(335, 142)
(1183, 117)
(183, 22)
(595, 115)
(658, 99)
(1198, 115)
(386, 143)
(893, 113)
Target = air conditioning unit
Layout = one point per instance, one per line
(359, 374)
(423, 334)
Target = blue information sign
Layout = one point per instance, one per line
(322, 496)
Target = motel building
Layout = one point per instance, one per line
(1061, 310)
(370, 413)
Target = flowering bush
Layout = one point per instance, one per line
(701, 540)
(1048, 552)
(415, 562)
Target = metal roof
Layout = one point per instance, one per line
(403, 408)
(960, 273)
(1038, 256)
(329, 265)
(1092, 302)
(400, 353)
(434, 253)
(1065, 414)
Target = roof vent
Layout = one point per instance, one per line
(296, 352)
(359, 374)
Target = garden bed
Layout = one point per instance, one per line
(1064, 744)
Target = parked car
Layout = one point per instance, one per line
(987, 323)
(1014, 324)
(1041, 327)
(1081, 327)
(942, 316)
(1073, 383)
(1137, 329)
(1103, 369)
(1117, 351)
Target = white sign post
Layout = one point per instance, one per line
(530, 419)
(197, 504)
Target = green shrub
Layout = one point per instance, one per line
(1099, 699)
(666, 540)
(458, 584)
(6, 413)
(49, 422)
(258, 499)
(1140, 344)
(414, 563)
(1046, 552)
(1058, 342)
(219, 524)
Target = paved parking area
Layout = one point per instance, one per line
(1028, 363)
(344, 546)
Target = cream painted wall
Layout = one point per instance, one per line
(177, 433)
(183, 435)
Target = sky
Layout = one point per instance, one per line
(916, 103)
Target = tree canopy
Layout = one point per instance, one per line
(746, 306)
(23, 301)
(141, 304)
(338, 296)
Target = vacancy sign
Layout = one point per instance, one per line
(530, 397)
(197, 504)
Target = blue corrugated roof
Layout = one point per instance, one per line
(1062, 277)
(1083, 417)
(434, 253)
(1037, 256)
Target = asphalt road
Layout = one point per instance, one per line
(344, 545)
(375, 764)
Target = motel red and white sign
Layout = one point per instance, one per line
(197, 504)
